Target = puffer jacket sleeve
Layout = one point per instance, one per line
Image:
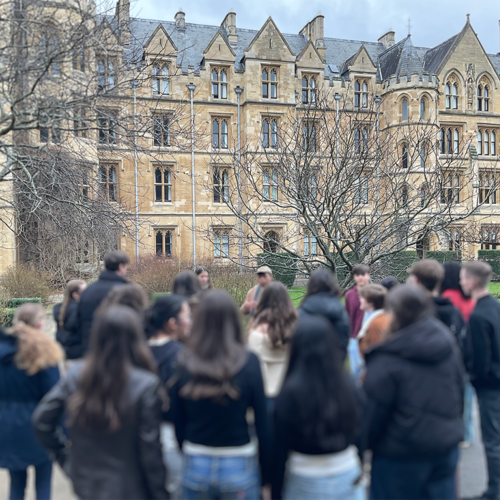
(150, 454)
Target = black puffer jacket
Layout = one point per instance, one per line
(330, 307)
(68, 335)
(90, 300)
(125, 464)
(451, 317)
(414, 387)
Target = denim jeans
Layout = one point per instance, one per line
(43, 476)
(340, 487)
(224, 478)
(173, 459)
(468, 407)
(432, 477)
(489, 411)
(356, 361)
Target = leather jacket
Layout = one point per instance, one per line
(125, 464)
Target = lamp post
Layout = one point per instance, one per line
(239, 91)
(191, 87)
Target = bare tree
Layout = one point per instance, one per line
(334, 188)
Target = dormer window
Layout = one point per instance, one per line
(309, 90)
(161, 84)
(269, 83)
(361, 94)
(219, 84)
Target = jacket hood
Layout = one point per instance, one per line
(442, 301)
(166, 352)
(323, 304)
(112, 276)
(8, 347)
(428, 341)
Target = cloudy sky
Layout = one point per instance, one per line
(433, 21)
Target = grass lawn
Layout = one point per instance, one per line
(495, 288)
(296, 294)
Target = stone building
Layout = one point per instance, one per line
(241, 78)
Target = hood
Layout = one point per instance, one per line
(323, 304)
(167, 352)
(428, 341)
(112, 276)
(442, 301)
(8, 347)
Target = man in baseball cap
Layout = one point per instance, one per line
(264, 277)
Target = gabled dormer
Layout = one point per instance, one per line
(219, 49)
(269, 44)
(310, 57)
(160, 44)
(361, 62)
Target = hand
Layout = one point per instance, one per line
(252, 305)
(266, 492)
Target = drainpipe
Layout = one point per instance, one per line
(191, 87)
(378, 100)
(238, 91)
(135, 83)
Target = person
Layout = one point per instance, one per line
(269, 334)
(217, 383)
(186, 284)
(484, 367)
(116, 263)
(414, 387)
(204, 278)
(429, 273)
(29, 362)
(376, 333)
(389, 282)
(371, 298)
(113, 407)
(451, 289)
(168, 322)
(130, 295)
(317, 420)
(66, 318)
(264, 277)
(323, 297)
(361, 276)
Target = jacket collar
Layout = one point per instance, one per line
(111, 276)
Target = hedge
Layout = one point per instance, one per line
(492, 257)
(283, 265)
(7, 314)
(15, 303)
(444, 256)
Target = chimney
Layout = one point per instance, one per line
(122, 14)
(230, 24)
(315, 32)
(180, 20)
(387, 39)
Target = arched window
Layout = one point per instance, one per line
(449, 144)
(271, 242)
(215, 84)
(493, 144)
(164, 243)
(357, 94)
(442, 149)
(479, 98)
(265, 83)
(265, 134)
(305, 90)
(364, 95)
(454, 92)
(274, 134)
(312, 83)
(456, 143)
(215, 134)
(479, 143)
(163, 185)
(223, 84)
(223, 135)
(423, 108)
(486, 142)
(448, 95)
(404, 156)
(404, 109)
(486, 98)
(274, 84)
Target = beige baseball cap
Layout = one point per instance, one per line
(265, 270)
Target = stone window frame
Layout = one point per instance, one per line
(270, 87)
(487, 141)
(218, 84)
(108, 181)
(452, 92)
(160, 74)
(309, 89)
(361, 92)
(488, 187)
(164, 232)
(165, 184)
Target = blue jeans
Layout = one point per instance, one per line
(468, 406)
(221, 478)
(356, 361)
(489, 410)
(432, 477)
(341, 487)
(43, 476)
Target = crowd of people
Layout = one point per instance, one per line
(177, 399)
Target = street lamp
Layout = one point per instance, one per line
(191, 87)
(239, 91)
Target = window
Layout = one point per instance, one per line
(310, 244)
(164, 243)
(107, 182)
(483, 97)
(105, 74)
(107, 128)
(161, 83)
(84, 185)
(486, 142)
(423, 108)
(449, 144)
(50, 49)
(309, 134)
(265, 134)
(269, 83)
(219, 134)
(357, 141)
(493, 143)
(357, 94)
(313, 186)
(361, 189)
(219, 84)
(270, 184)
(404, 196)
(161, 130)
(221, 244)
(423, 246)
(308, 90)
(456, 143)
(271, 242)
(365, 140)
(361, 94)
(305, 90)
(221, 186)
(479, 143)
(404, 109)
(450, 189)
(423, 196)
(266, 124)
(79, 59)
(442, 142)
(274, 134)
(80, 125)
(50, 125)
(163, 185)
(488, 188)
(364, 95)
(454, 240)
(454, 96)
(404, 156)
(489, 236)
(423, 155)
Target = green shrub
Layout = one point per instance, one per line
(283, 265)
(22, 282)
(492, 257)
(444, 256)
(7, 316)
(15, 303)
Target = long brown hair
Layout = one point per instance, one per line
(72, 287)
(130, 295)
(117, 344)
(322, 281)
(275, 308)
(215, 350)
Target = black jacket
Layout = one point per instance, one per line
(126, 464)
(452, 318)
(484, 342)
(414, 387)
(332, 309)
(89, 301)
(68, 335)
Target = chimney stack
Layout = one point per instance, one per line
(315, 32)
(180, 20)
(122, 14)
(230, 24)
(388, 39)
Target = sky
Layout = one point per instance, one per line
(432, 21)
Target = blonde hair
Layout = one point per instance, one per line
(72, 287)
(29, 314)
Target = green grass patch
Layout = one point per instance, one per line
(296, 294)
(495, 288)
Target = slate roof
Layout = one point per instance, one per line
(402, 58)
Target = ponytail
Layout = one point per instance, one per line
(72, 287)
